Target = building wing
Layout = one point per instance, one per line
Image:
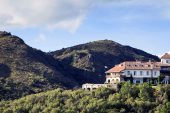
(166, 56)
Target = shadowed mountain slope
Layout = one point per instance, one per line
(24, 70)
(88, 62)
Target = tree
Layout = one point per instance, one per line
(131, 79)
(146, 92)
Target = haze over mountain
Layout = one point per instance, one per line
(25, 70)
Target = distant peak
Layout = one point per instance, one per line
(8, 37)
(106, 41)
(4, 33)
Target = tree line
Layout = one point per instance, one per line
(129, 98)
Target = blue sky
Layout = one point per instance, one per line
(54, 24)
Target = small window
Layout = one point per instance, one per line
(128, 72)
(155, 73)
(108, 73)
(167, 61)
(138, 81)
(141, 72)
(134, 72)
(147, 72)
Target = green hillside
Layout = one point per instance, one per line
(129, 99)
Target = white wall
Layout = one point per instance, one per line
(113, 80)
(165, 61)
(142, 73)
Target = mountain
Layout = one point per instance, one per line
(25, 70)
(88, 62)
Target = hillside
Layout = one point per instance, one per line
(24, 70)
(88, 62)
(130, 99)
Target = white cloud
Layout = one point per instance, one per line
(40, 39)
(67, 14)
(71, 25)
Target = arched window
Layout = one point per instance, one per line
(94, 88)
(117, 80)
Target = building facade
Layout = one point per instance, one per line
(95, 86)
(165, 59)
(136, 72)
(165, 68)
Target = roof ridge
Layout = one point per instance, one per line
(166, 56)
(134, 66)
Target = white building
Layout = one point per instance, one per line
(95, 86)
(137, 72)
(165, 68)
(165, 59)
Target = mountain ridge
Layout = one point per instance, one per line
(94, 58)
(25, 70)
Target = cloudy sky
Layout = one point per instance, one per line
(54, 24)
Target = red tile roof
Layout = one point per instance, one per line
(135, 66)
(117, 68)
(166, 56)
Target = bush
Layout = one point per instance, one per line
(130, 99)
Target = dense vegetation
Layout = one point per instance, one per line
(90, 61)
(128, 99)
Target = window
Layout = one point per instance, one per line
(137, 81)
(147, 73)
(167, 61)
(141, 72)
(134, 72)
(108, 73)
(155, 73)
(128, 72)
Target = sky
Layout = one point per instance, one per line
(51, 25)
